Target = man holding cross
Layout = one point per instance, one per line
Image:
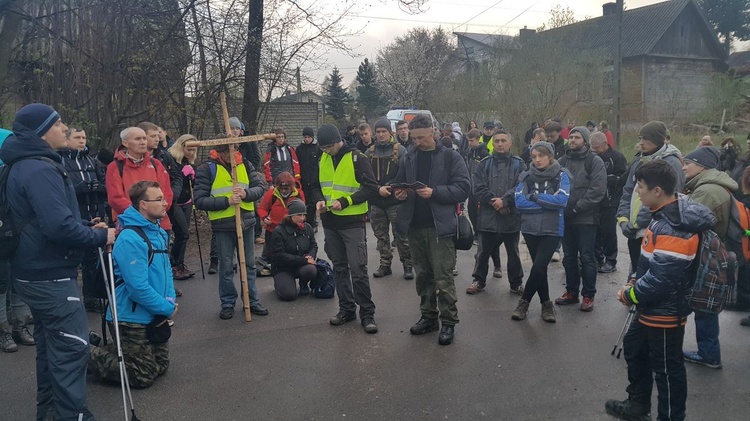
(214, 193)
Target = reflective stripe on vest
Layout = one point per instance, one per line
(340, 182)
(222, 187)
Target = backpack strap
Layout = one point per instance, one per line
(212, 169)
(394, 156)
(144, 237)
(121, 165)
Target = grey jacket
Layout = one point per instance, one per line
(385, 166)
(450, 186)
(497, 176)
(631, 210)
(589, 186)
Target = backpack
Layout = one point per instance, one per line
(738, 234)
(715, 285)
(324, 285)
(151, 252)
(10, 230)
(121, 165)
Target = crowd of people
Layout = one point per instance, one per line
(566, 193)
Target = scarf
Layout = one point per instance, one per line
(540, 176)
(135, 161)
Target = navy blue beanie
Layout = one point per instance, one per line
(37, 117)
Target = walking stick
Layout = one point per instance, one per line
(620, 339)
(124, 381)
(198, 237)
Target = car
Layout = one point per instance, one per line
(403, 114)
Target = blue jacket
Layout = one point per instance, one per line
(546, 215)
(52, 240)
(147, 291)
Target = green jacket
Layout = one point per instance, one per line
(712, 189)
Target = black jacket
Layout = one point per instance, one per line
(368, 189)
(497, 176)
(185, 194)
(309, 162)
(589, 185)
(616, 166)
(88, 180)
(451, 186)
(385, 160)
(52, 241)
(174, 171)
(361, 145)
(204, 201)
(560, 147)
(289, 245)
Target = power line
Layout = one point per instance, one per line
(481, 13)
(428, 21)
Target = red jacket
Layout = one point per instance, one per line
(610, 139)
(280, 159)
(148, 169)
(274, 206)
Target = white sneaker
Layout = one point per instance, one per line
(556, 257)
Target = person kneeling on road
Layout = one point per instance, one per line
(293, 249)
(144, 291)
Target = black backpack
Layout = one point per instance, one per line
(10, 230)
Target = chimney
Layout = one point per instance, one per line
(525, 34)
(609, 8)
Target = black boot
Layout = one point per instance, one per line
(408, 273)
(628, 410)
(446, 335)
(382, 271)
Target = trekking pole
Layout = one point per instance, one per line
(109, 297)
(124, 381)
(198, 237)
(620, 339)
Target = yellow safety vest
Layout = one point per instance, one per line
(490, 145)
(222, 187)
(340, 183)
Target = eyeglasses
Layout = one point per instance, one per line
(161, 199)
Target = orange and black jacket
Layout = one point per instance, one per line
(665, 267)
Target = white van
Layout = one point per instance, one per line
(396, 115)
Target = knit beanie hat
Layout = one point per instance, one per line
(654, 131)
(591, 123)
(296, 207)
(383, 123)
(489, 124)
(705, 156)
(235, 123)
(328, 134)
(37, 117)
(583, 131)
(308, 131)
(546, 146)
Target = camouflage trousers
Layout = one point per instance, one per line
(144, 362)
(381, 220)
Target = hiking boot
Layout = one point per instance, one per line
(446, 335)
(7, 344)
(607, 267)
(424, 325)
(548, 312)
(497, 273)
(260, 240)
(226, 313)
(22, 336)
(556, 256)
(92, 304)
(745, 321)
(213, 266)
(695, 358)
(382, 271)
(187, 271)
(178, 274)
(587, 304)
(369, 326)
(520, 312)
(304, 289)
(178, 292)
(341, 318)
(258, 310)
(628, 410)
(567, 298)
(454, 272)
(474, 288)
(265, 272)
(95, 339)
(516, 289)
(408, 273)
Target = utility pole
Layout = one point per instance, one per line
(617, 85)
(299, 86)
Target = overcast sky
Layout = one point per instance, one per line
(383, 21)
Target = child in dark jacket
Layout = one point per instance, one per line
(653, 343)
(293, 252)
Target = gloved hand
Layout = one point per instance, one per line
(627, 230)
(94, 185)
(82, 187)
(188, 172)
(570, 212)
(533, 196)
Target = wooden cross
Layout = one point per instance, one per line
(232, 142)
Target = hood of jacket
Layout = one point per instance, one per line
(689, 215)
(667, 150)
(712, 176)
(26, 144)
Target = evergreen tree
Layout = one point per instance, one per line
(370, 99)
(336, 98)
(730, 18)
